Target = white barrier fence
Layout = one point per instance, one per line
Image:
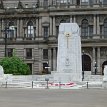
(33, 81)
(41, 81)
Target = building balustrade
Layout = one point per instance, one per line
(48, 5)
(94, 37)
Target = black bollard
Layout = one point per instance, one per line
(32, 84)
(6, 85)
(87, 85)
(47, 79)
(59, 85)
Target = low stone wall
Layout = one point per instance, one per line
(27, 78)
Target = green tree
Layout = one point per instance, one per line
(14, 65)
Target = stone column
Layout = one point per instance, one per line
(2, 27)
(98, 25)
(98, 60)
(54, 27)
(21, 28)
(49, 58)
(50, 2)
(50, 27)
(54, 59)
(94, 1)
(71, 2)
(71, 19)
(74, 19)
(97, 1)
(37, 27)
(24, 53)
(32, 69)
(40, 59)
(93, 65)
(94, 28)
(40, 26)
(18, 28)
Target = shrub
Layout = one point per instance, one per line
(14, 65)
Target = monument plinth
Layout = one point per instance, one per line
(69, 63)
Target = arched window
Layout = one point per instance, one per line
(57, 27)
(84, 28)
(30, 30)
(12, 31)
(63, 21)
(105, 27)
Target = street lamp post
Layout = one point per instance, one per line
(95, 67)
(5, 42)
(6, 30)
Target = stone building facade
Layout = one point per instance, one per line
(29, 28)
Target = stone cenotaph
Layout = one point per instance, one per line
(69, 63)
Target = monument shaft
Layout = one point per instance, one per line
(69, 63)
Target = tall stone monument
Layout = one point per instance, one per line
(69, 63)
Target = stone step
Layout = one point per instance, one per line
(91, 84)
(93, 77)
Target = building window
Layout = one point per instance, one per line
(45, 32)
(26, 5)
(84, 2)
(29, 53)
(101, 1)
(63, 1)
(45, 53)
(104, 2)
(105, 27)
(9, 52)
(53, 2)
(78, 2)
(45, 3)
(84, 28)
(91, 2)
(29, 34)
(12, 33)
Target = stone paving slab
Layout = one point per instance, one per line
(12, 97)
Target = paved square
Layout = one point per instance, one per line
(53, 98)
